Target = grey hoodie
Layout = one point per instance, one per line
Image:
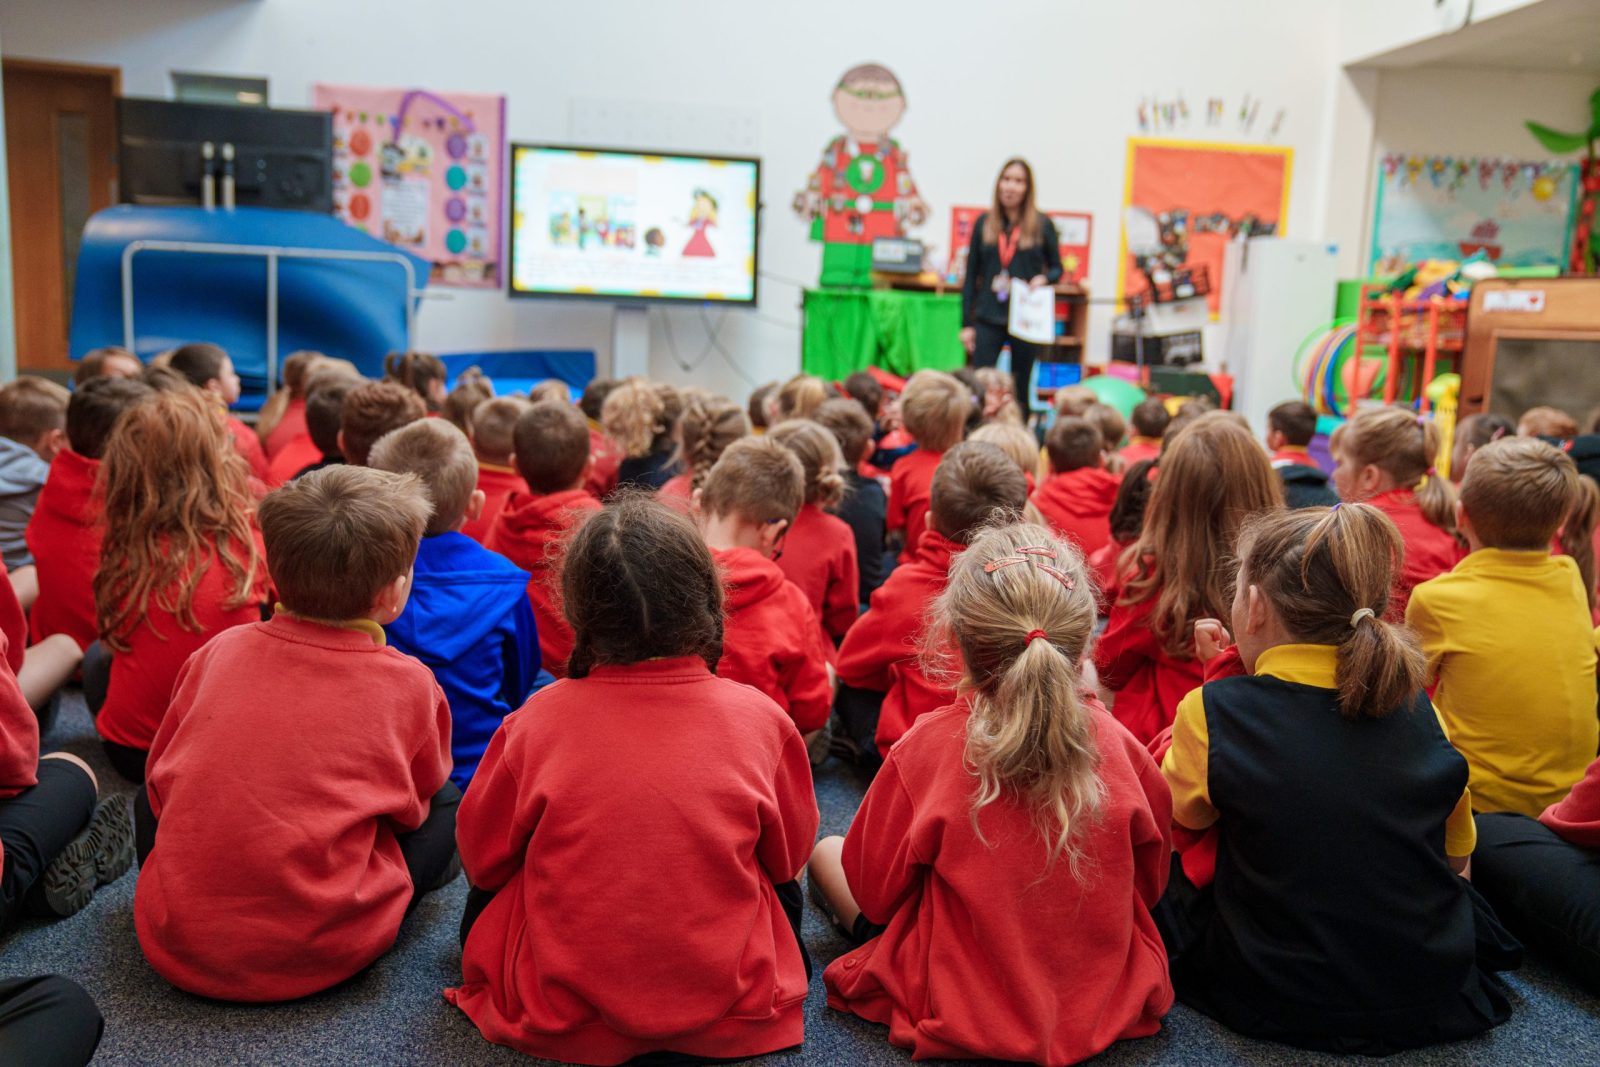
(22, 475)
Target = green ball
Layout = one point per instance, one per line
(1118, 393)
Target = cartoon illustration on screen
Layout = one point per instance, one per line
(702, 216)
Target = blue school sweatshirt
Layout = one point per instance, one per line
(470, 622)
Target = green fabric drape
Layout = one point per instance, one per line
(901, 332)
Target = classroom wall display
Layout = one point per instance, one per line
(1199, 196)
(423, 171)
(1073, 231)
(1518, 213)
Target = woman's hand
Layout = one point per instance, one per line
(969, 339)
(1211, 639)
(1039, 281)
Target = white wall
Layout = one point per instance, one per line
(1061, 88)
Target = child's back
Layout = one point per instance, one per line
(492, 429)
(1077, 498)
(819, 551)
(935, 407)
(865, 505)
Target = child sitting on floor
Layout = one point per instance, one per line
(551, 444)
(472, 388)
(1015, 837)
(491, 431)
(709, 425)
(865, 504)
(1336, 920)
(1508, 635)
(468, 618)
(207, 367)
(1076, 501)
(885, 687)
(819, 551)
(180, 562)
(325, 397)
(1290, 427)
(371, 410)
(282, 418)
(641, 418)
(1149, 421)
(604, 456)
(571, 848)
(772, 639)
(421, 374)
(33, 419)
(934, 408)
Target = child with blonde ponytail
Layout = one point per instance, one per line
(1335, 919)
(999, 874)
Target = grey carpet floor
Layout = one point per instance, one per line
(393, 1013)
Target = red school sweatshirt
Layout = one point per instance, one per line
(1139, 449)
(1077, 504)
(1134, 663)
(497, 484)
(819, 556)
(1429, 551)
(142, 677)
(528, 533)
(910, 496)
(64, 536)
(772, 639)
(1577, 818)
(295, 456)
(249, 446)
(882, 651)
(292, 754)
(13, 623)
(290, 427)
(574, 958)
(605, 460)
(19, 734)
(991, 952)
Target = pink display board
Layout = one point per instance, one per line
(423, 171)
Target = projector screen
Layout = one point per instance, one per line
(633, 225)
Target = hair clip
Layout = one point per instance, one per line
(1064, 579)
(1499, 432)
(1422, 423)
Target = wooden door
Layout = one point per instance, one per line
(61, 153)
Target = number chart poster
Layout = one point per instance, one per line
(422, 171)
(1200, 195)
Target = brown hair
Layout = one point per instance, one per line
(636, 416)
(471, 390)
(551, 389)
(638, 583)
(94, 409)
(415, 371)
(441, 456)
(1109, 421)
(1030, 222)
(1133, 496)
(594, 397)
(337, 536)
(1404, 446)
(866, 391)
(551, 443)
(975, 484)
(371, 410)
(801, 395)
(757, 479)
(1073, 443)
(93, 363)
(31, 407)
(849, 425)
(1471, 434)
(1015, 441)
(819, 458)
(176, 499)
(1518, 491)
(1546, 421)
(200, 362)
(325, 395)
(934, 408)
(757, 406)
(492, 424)
(1150, 418)
(710, 423)
(1577, 533)
(1296, 420)
(1214, 476)
(1030, 734)
(1319, 567)
(296, 371)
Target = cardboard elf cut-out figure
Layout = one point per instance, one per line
(862, 188)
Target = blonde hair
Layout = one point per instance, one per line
(820, 460)
(993, 379)
(934, 407)
(1030, 734)
(801, 395)
(439, 454)
(1075, 400)
(757, 480)
(493, 422)
(1015, 441)
(551, 389)
(1403, 446)
(638, 415)
(710, 423)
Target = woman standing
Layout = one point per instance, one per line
(1013, 239)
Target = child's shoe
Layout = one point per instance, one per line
(97, 856)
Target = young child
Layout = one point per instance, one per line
(819, 550)
(1213, 476)
(570, 847)
(423, 375)
(1290, 427)
(1014, 837)
(468, 620)
(1016, 441)
(1336, 920)
(801, 395)
(492, 432)
(772, 639)
(1472, 433)
(471, 390)
(1508, 635)
(935, 408)
(325, 397)
(328, 752)
(762, 407)
(65, 531)
(1077, 499)
(33, 418)
(605, 458)
(180, 562)
(551, 445)
(207, 367)
(1546, 421)
(880, 660)
(1384, 457)
(866, 391)
(371, 410)
(1125, 523)
(641, 417)
(865, 504)
(1113, 428)
(282, 418)
(709, 425)
(550, 389)
(1149, 420)
(109, 361)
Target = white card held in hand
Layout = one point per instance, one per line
(1033, 312)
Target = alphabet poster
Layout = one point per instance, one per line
(423, 171)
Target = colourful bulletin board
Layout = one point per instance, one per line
(1517, 213)
(1073, 230)
(1201, 193)
(423, 171)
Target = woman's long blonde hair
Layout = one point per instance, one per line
(1020, 607)
(175, 495)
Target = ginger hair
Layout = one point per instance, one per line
(176, 501)
(710, 423)
(1403, 446)
(1214, 476)
(934, 408)
(1317, 567)
(1030, 735)
(1546, 421)
(371, 410)
(820, 460)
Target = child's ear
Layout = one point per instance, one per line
(694, 501)
(339, 440)
(391, 600)
(771, 533)
(1256, 610)
(1369, 480)
(51, 444)
(475, 504)
(1463, 520)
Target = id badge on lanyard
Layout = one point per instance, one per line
(1007, 246)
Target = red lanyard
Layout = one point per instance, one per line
(1008, 248)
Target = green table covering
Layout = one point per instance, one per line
(847, 330)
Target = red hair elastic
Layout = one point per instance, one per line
(1033, 635)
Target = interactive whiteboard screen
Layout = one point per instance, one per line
(633, 225)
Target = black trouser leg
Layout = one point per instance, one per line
(858, 711)
(477, 900)
(96, 676)
(1546, 890)
(990, 340)
(47, 1021)
(126, 761)
(144, 826)
(430, 849)
(793, 901)
(1024, 354)
(36, 824)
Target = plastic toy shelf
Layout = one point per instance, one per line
(1410, 329)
